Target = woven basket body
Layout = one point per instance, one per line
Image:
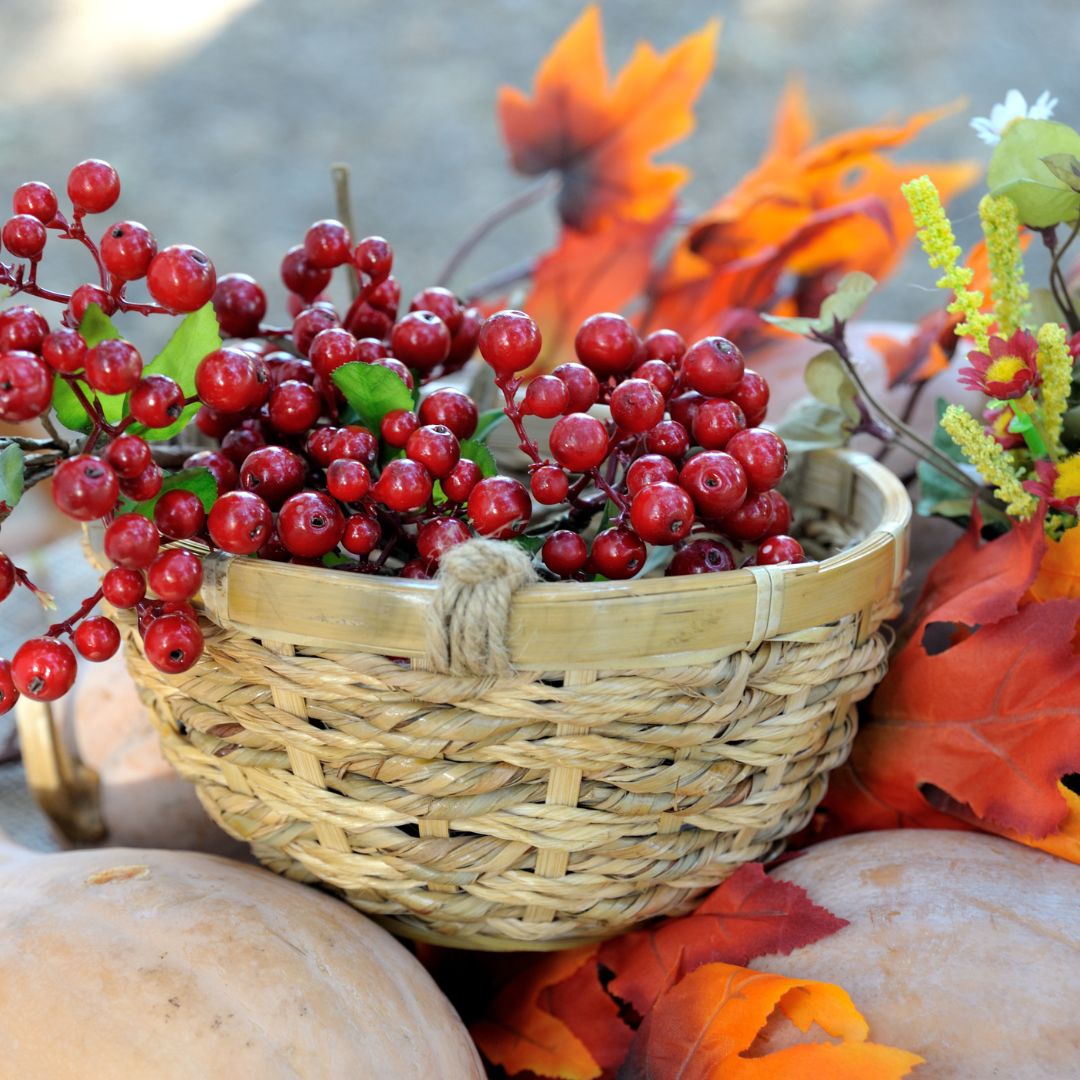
(651, 737)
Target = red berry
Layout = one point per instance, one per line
(181, 278)
(606, 343)
(43, 669)
(240, 304)
(499, 507)
(302, 276)
(700, 557)
(373, 259)
(327, 244)
(348, 481)
(179, 514)
(294, 407)
(391, 363)
(239, 522)
(750, 523)
(354, 442)
(310, 524)
(310, 323)
(441, 302)
(7, 576)
(436, 448)
(319, 445)
(273, 473)
(404, 485)
(362, 534)
(579, 442)
(232, 381)
(85, 487)
(26, 387)
(685, 407)
(113, 366)
(713, 366)
(144, 486)
(36, 199)
(132, 541)
(332, 348)
(93, 186)
(452, 409)
(762, 455)
(224, 472)
(662, 513)
(365, 321)
(546, 396)
(283, 367)
(8, 693)
(715, 481)
(244, 439)
(396, 427)
(123, 588)
(156, 401)
(752, 396)
(564, 553)
(369, 349)
(176, 574)
(717, 420)
(437, 536)
(781, 513)
(583, 386)
(84, 296)
(549, 485)
(97, 639)
(64, 350)
(779, 549)
(22, 329)
(24, 236)
(416, 569)
(659, 374)
(463, 343)
(173, 643)
(650, 469)
(636, 406)
(665, 345)
(618, 553)
(509, 341)
(463, 478)
(421, 341)
(126, 250)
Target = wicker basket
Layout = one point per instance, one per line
(650, 737)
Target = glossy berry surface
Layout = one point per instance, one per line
(173, 643)
(463, 478)
(310, 524)
(156, 401)
(442, 303)
(123, 588)
(701, 557)
(181, 278)
(421, 340)
(715, 481)
(637, 406)
(127, 249)
(499, 507)
(549, 485)
(232, 381)
(113, 366)
(546, 396)
(179, 514)
(132, 541)
(7, 577)
(22, 329)
(64, 350)
(93, 186)
(26, 387)
(396, 427)
(97, 638)
(348, 481)
(713, 366)
(452, 409)
(24, 236)
(403, 485)
(762, 455)
(240, 522)
(779, 549)
(36, 199)
(144, 486)
(582, 384)
(437, 536)
(273, 473)
(175, 574)
(752, 396)
(294, 406)
(662, 513)
(362, 534)
(579, 442)
(436, 448)
(564, 553)
(618, 553)
(606, 344)
(327, 244)
(650, 469)
(240, 305)
(85, 487)
(716, 421)
(43, 668)
(509, 341)
(9, 693)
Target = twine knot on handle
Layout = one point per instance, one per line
(468, 622)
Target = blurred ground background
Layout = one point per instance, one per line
(223, 116)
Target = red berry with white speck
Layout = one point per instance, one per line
(779, 549)
(310, 524)
(181, 278)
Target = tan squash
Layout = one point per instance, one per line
(961, 947)
(128, 963)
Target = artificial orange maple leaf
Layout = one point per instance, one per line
(1059, 570)
(602, 136)
(703, 1027)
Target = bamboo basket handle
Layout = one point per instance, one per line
(64, 788)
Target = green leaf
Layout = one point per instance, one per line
(95, 328)
(828, 380)
(476, 451)
(850, 295)
(197, 336)
(487, 423)
(200, 481)
(1019, 170)
(11, 476)
(941, 495)
(532, 544)
(372, 391)
(1066, 167)
(812, 425)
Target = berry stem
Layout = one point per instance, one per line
(43, 598)
(509, 387)
(69, 624)
(339, 174)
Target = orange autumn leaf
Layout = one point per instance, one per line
(1059, 571)
(703, 1027)
(519, 1034)
(602, 135)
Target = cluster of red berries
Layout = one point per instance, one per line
(653, 443)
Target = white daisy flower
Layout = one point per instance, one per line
(990, 129)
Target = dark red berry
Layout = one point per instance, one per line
(781, 513)
(132, 541)
(243, 440)
(44, 669)
(85, 487)
(779, 549)
(8, 692)
(273, 473)
(173, 643)
(685, 407)
(465, 476)
(662, 513)
(331, 348)
(310, 323)
(701, 557)
(7, 576)
(84, 296)
(650, 469)
(373, 259)
(579, 442)
(752, 396)
(509, 341)
(239, 522)
(362, 533)
(113, 366)
(319, 445)
(659, 374)
(665, 345)
(436, 448)
(391, 363)
(294, 407)
(618, 553)
(179, 514)
(22, 329)
(93, 186)
(97, 638)
(583, 386)
(715, 481)
(310, 524)
(436, 537)
(712, 366)
(403, 485)
(450, 408)
(607, 344)
(636, 406)
(365, 321)
(369, 349)
(176, 574)
(416, 570)
(123, 588)
(327, 244)
(302, 276)
(283, 367)
(240, 305)
(144, 486)
(36, 199)
(750, 523)
(564, 553)
(232, 381)
(219, 466)
(26, 387)
(354, 442)
(546, 396)
(549, 485)
(421, 341)
(156, 401)
(181, 278)
(499, 507)
(127, 249)
(24, 236)
(64, 350)
(396, 427)
(348, 481)
(762, 455)
(441, 302)
(717, 420)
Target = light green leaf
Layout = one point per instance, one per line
(1066, 167)
(828, 380)
(532, 544)
(95, 328)
(372, 391)
(487, 423)
(1018, 170)
(196, 337)
(11, 476)
(200, 481)
(850, 295)
(476, 451)
(941, 495)
(812, 425)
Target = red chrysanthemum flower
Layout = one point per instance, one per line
(1008, 371)
(997, 427)
(1059, 488)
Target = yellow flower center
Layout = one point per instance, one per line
(1005, 369)
(1067, 484)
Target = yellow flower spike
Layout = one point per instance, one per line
(1055, 365)
(990, 459)
(1000, 226)
(937, 239)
